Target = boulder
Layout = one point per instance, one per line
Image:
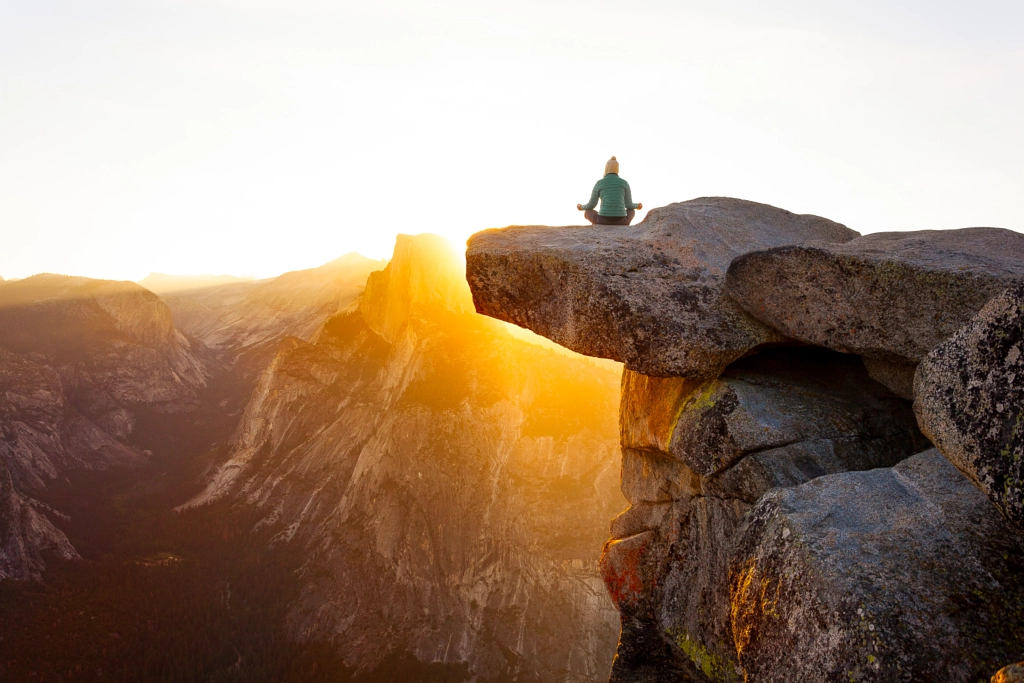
(887, 296)
(895, 574)
(650, 296)
(697, 455)
(970, 400)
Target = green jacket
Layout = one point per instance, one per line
(614, 194)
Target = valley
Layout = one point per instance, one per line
(356, 485)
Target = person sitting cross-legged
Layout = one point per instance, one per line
(617, 207)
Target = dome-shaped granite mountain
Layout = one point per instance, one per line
(788, 520)
(444, 499)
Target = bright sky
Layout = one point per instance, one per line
(258, 136)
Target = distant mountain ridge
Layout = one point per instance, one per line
(163, 283)
(80, 358)
(443, 486)
(244, 321)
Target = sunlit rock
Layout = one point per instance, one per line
(1010, 674)
(650, 295)
(718, 423)
(770, 401)
(425, 275)
(447, 500)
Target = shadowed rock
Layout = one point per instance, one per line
(79, 358)
(761, 406)
(897, 376)
(900, 574)
(887, 296)
(697, 455)
(650, 296)
(970, 396)
(26, 533)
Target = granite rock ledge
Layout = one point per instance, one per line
(780, 525)
(651, 296)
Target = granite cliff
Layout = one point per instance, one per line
(445, 483)
(788, 519)
(242, 322)
(80, 361)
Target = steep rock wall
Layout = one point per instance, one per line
(78, 359)
(450, 502)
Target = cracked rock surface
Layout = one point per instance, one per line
(895, 574)
(888, 296)
(778, 528)
(651, 295)
(697, 455)
(970, 400)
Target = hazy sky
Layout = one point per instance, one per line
(258, 136)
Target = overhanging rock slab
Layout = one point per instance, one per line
(650, 296)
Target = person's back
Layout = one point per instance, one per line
(617, 207)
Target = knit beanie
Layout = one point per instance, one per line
(611, 166)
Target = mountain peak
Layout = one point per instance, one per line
(425, 272)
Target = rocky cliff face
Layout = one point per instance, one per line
(777, 530)
(78, 359)
(243, 322)
(449, 483)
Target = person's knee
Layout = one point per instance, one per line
(591, 216)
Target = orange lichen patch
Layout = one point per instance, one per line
(651, 407)
(1010, 674)
(622, 565)
(753, 598)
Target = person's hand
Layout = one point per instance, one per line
(639, 206)
(579, 207)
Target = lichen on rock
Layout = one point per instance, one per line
(970, 400)
(903, 574)
(704, 452)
